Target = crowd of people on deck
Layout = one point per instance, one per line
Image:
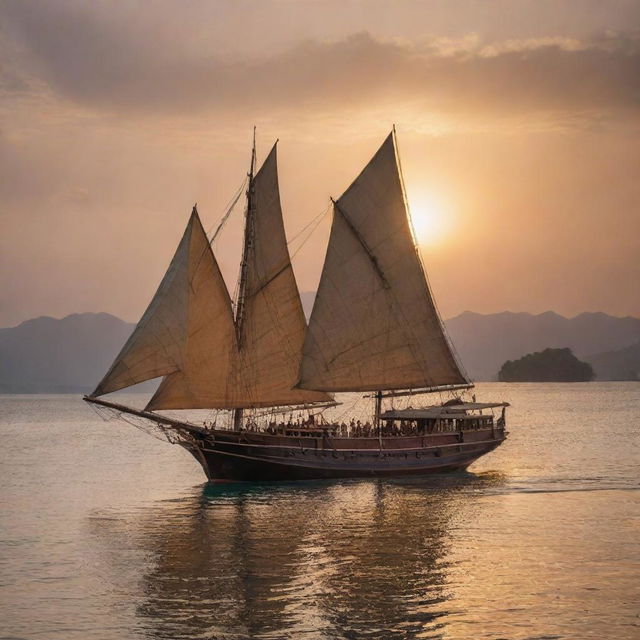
(353, 429)
(316, 426)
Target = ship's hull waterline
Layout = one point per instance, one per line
(227, 455)
(230, 456)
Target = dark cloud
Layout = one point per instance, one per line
(115, 60)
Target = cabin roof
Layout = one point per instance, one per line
(440, 411)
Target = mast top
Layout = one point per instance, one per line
(252, 170)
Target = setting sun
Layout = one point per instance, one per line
(430, 219)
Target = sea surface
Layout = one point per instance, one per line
(108, 533)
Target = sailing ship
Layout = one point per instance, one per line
(374, 330)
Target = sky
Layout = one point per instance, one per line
(518, 125)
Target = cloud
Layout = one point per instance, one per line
(98, 57)
(116, 116)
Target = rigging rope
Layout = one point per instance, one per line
(149, 427)
(228, 209)
(316, 219)
(316, 223)
(230, 206)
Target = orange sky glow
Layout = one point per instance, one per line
(518, 124)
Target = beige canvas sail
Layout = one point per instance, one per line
(156, 346)
(273, 323)
(206, 375)
(260, 370)
(374, 325)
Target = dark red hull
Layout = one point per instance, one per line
(248, 456)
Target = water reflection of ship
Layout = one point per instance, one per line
(349, 560)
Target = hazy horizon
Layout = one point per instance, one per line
(518, 126)
(447, 318)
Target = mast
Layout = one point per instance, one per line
(377, 423)
(378, 409)
(242, 284)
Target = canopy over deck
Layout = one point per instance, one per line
(440, 411)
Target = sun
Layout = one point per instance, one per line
(429, 219)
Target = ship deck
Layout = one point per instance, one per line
(255, 456)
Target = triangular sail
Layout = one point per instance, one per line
(374, 325)
(188, 333)
(155, 348)
(205, 378)
(189, 320)
(273, 323)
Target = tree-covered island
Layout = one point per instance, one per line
(550, 365)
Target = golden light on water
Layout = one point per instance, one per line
(431, 219)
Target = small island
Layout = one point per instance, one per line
(550, 365)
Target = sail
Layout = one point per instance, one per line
(155, 347)
(188, 322)
(258, 367)
(273, 325)
(374, 325)
(204, 379)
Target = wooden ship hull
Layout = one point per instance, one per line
(231, 456)
(319, 452)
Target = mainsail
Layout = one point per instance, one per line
(188, 333)
(374, 325)
(273, 323)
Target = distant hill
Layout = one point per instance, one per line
(621, 364)
(47, 355)
(550, 365)
(485, 342)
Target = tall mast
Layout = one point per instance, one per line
(242, 284)
(377, 423)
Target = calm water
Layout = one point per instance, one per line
(107, 533)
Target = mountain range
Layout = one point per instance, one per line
(47, 355)
(485, 342)
(70, 355)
